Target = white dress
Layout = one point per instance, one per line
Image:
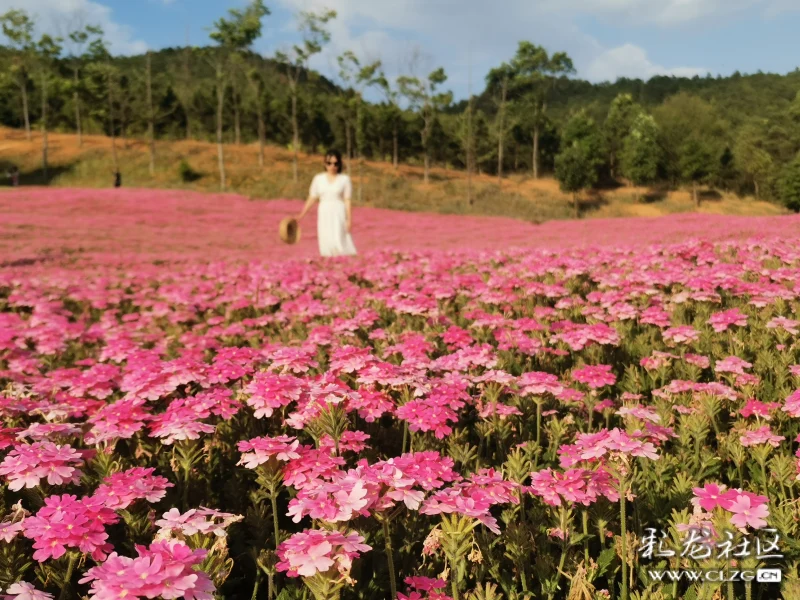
(334, 240)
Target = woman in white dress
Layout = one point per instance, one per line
(334, 190)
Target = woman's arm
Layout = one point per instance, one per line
(313, 196)
(309, 203)
(348, 194)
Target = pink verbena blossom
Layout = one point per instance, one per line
(166, 569)
(26, 465)
(316, 551)
(120, 490)
(762, 435)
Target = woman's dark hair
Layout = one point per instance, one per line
(338, 156)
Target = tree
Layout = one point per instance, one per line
(185, 86)
(392, 95)
(681, 117)
(79, 40)
(48, 50)
(696, 164)
(618, 125)
(233, 35)
(575, 171)
(581, 129)
(260, 83)
(789, 185)
(359, 77)
(641, 153)
(422, 96)
(537, 76)
(497, 82)
(751, 158)
(104, 78)
(146, 107)
(314, 36)
(18, 28)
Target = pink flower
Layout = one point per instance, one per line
(23, 590)
(120, 490)
(681, 335)
(721, 321)
(759, 409)
(66, 522)
(732, 364)
(260, 450)
(165, 569)
(708, 496)
(25, 466)
(746, 512)
(595, 376)
(762, 435)
(537, 383)
(792, 404)
(316, 551)
(788, 325)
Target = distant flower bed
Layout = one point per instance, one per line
(516, 425)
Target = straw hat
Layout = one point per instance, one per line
(290, 230)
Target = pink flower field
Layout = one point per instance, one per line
(162, 224)
(471, 409)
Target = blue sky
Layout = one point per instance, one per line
(606, 38)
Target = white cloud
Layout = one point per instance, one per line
(59, 16)
(458, 32)
(631, 61)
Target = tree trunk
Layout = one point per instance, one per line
(187, 71)
(237, 126)
(26, 117)
(295, 132)
(360, 180)
(535, 158)
(261, 136)
(427, 164)
(76, 97)
(755, 184)
(694, 194)
(44, 125)
(516, 156)
(575, 204)
(111, 122)
(150, 119)
(501, 132)
(395, 153)
(348, 135)
(220, 107)
(470, 149)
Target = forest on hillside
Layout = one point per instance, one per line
(739, 134)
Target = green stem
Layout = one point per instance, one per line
(586, 539)
(68, 577)
(730, 591)
(538, 422)
(274, 498)
(255, 587)
(387, 538)
(560, 568)
(748, 590)
(623, 546)
(405, 437)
